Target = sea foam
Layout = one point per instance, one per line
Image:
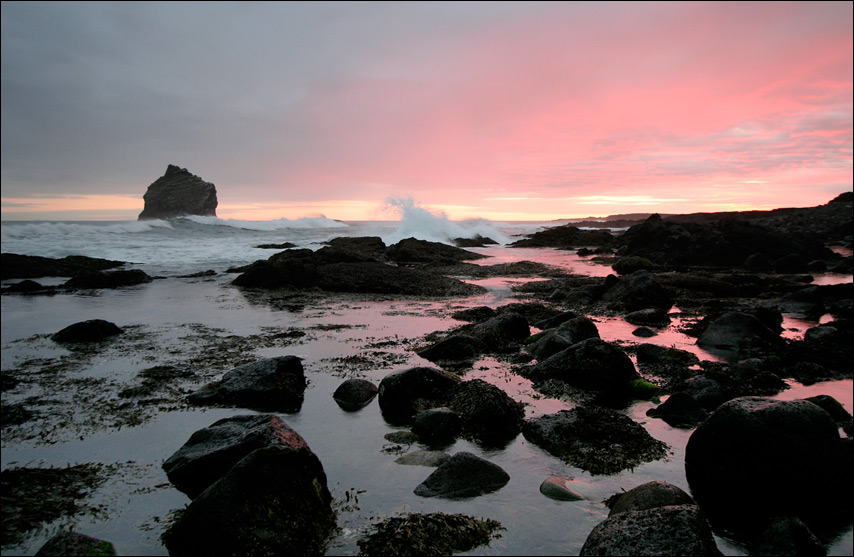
(423, 224)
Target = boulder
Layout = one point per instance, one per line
(503, 333)
(274, 501)
(679, 410)
(178, 193)
(108, 279)
(785, 536)
(210, 452)
(475, 314)
(649, 496)
(404, 393)
(454, 349)
(93, 330)
(739, 464)
(69, 542)
(557, 487)
(738, 333)
(638, 290)
(437, 426)
(489, 416)
(275, 384)
(412, 250)
(552, 322)
(630, 264)
(565, 236)
(13, 265)
(649, 316)
(462, 476)
(596, 439)
(565, 335)
(354, 394)
(590, 364)
(671, 530)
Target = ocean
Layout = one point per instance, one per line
(205, 324)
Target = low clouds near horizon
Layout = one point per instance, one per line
(537, 109)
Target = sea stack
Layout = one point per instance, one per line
(179, 193)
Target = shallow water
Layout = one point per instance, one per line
(351, 446)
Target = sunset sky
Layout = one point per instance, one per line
(505, 110)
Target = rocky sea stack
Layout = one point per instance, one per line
(179, 193)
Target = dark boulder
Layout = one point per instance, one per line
(274, 501)
(462, 476)
(488, 414)
(738, 334)
(563, 336)
(94, 330)
(630, 264)
(552, 322)
(69, 542)
(275, 384)
(13, 265)
(638, 290)
(404, 393)
(354, 394)
(679, 410)
(649, 496)
(565, 236)
(788, 536)
(596, 439)
(456, 348)
(739, 463)
(437, 426)
(108, 279)
(649, 316)
(674, 530)
(590, 364)
(412, 250)
(211, 452)
(503, 333)
(178, 193)
(475, 314)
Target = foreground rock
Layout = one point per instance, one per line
(274, 501)
(591, 364)
(488, 415)
(738, 333)
(672, 530)
(462, 476)
(73, 543)
(214, 450)
(595, 439)
(354, 394)
(13, 265)
(93, 330)
(178, 193)
(739, 464)
(276, 384)
(428, 534)
(403, 394)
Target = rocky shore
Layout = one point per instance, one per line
(256, 487)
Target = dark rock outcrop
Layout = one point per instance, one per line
(437, 426)
(178, 193)
(679, 410)
(13, 265)
(211, 452)
(428, 534)
(69, 542)
(454, 349)
(108, 279)
(354, 394)
(590, 364)
(674, 530)
(566, 236)
(93, 330)
(502, 333)
(739, 462)
(488, 414)
(739, 334)
(275, 384)
(636, 291)
(648, 496)
(461, 476)
(274, 501)
(562, 337)
(405, 393)
(596, 439)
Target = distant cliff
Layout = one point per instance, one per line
(179, 193)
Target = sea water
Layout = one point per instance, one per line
(350, 445)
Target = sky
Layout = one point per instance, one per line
(499, 110)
